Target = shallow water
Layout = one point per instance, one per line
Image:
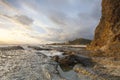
(51, 53)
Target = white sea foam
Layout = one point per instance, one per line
(51, 53)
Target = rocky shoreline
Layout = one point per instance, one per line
(55, 63)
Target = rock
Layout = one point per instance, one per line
(86, 72)
(107, 33)
(27, 65)
(55, 58)
(38, 48)
(68, 62)
(68, 52)
(11, 48)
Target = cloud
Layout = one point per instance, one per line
(49, 20)
(58, 17)
(8, 9)
(24, 19)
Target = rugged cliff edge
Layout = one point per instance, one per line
(107, 33)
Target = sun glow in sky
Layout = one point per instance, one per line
(46, 21)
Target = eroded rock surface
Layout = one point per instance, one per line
(8, 48)
(27, 65)
(107, 33)
(31, 64)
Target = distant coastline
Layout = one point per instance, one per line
(80, 41)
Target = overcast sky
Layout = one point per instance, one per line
(45, 21)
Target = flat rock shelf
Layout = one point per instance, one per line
(42, 62)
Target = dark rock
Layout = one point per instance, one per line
(55, 58)
(68, 62)
(68, 52)
(11, 48)
(38, 48)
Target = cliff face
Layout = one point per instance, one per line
(107, 33)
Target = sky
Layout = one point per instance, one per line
(47, 21)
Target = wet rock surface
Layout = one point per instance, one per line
(11, 48)
(24, 65)
(69, 61)
(31, 64)
(38, 48)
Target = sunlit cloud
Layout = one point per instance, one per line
(46, 21)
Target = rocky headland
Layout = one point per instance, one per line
(107, 33)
